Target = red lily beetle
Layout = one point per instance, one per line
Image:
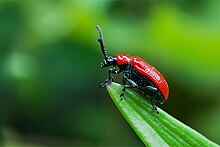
(137, 73)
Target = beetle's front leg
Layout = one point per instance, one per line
(110, 78)
(131, 82)
(114, 71)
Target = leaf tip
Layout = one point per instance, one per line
(108, 84)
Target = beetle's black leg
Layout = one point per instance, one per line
(103, 83)
(154, 91)
(154, 106)
(123, 91)
(110, 78)
(131, 82)
(114, 71)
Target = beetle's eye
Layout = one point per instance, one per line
(109, 58)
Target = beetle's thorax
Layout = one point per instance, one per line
(123, 59)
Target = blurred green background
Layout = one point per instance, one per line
(50, 67)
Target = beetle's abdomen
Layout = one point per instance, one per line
(150, 72)
(123, 59)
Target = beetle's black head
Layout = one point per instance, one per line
(109, 62)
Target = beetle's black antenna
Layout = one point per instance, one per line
(101, 41)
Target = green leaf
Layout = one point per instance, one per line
(154, 129)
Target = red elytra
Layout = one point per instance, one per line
(123, 59)
(147, 70)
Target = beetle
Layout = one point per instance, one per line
(137, 73)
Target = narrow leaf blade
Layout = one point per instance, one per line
(154, 129)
